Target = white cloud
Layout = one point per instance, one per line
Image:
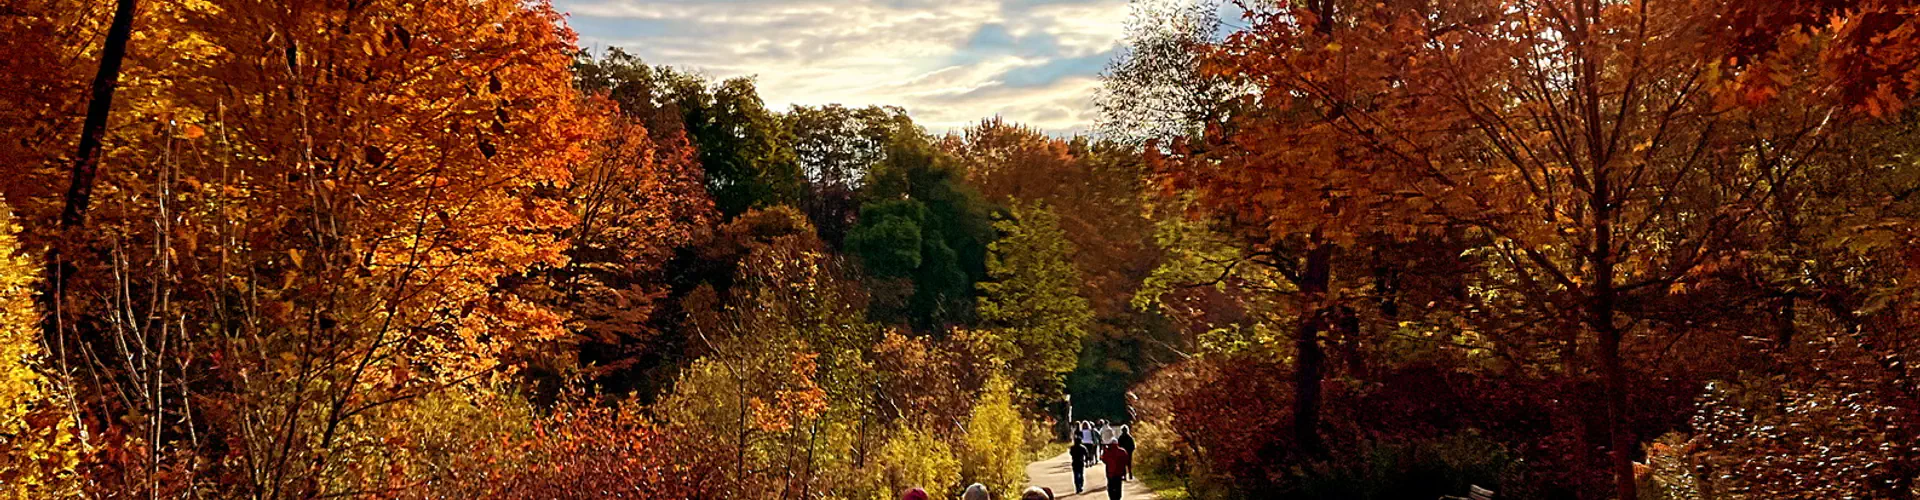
(949, 62)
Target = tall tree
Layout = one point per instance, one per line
(1094, 188)
(324, 205)
(1610, 151)
(1156, 88)
(1032, 301)
(745, 149)
(836, 147)
(953, 229)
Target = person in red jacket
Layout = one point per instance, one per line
(1119, 464)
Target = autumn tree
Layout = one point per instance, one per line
(744, 148)
(332, 193)
(1611, 153)
(1297, 192)
(994, 452)
(1095, 190)
(634, 203)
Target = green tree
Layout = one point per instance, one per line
(1033, 300)
(889, 237)
(745, 149)
(954, 229)
(836, 147)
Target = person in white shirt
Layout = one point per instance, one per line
(1087, 439)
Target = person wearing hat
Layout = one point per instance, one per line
(976, 492)
(913, 494)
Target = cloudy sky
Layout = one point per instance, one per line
(949, 62)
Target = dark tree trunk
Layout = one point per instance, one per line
(1309, 359)
(86, 165)
(1602, 303)
(86, 162)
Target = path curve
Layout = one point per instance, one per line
(1057, 473)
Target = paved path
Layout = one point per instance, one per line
(1057, 473)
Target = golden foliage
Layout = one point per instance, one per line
(39, 438)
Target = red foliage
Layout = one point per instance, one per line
(592, 452)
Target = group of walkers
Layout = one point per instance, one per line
(1099, 442)
(1092, 443)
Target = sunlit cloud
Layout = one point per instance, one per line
(949, 62)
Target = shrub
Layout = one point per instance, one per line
(584, 450)
(914, 458)
(995, 440)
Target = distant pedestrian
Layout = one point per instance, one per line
(1119, 465)
(1078, 452)
(976, 492)
(1088, 441)
(1126, 443)
(914, 494)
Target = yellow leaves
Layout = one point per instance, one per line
(194, 132)
(37, 435)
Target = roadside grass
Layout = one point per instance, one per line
(1167, 487)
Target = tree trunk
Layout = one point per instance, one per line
(1309, 365)
(86, 162)
(1615, 379)
(86, 166)
(1601, 305)
(1602, 296)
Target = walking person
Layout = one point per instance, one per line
(1087, 441)
(1119, 465)
(1079, 455)
(914, 494)
(1126, 443)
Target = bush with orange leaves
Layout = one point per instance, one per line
(587, 450)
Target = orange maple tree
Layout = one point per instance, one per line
(1608, 150)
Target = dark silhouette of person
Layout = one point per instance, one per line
(1078, 452)
(1119, 465)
